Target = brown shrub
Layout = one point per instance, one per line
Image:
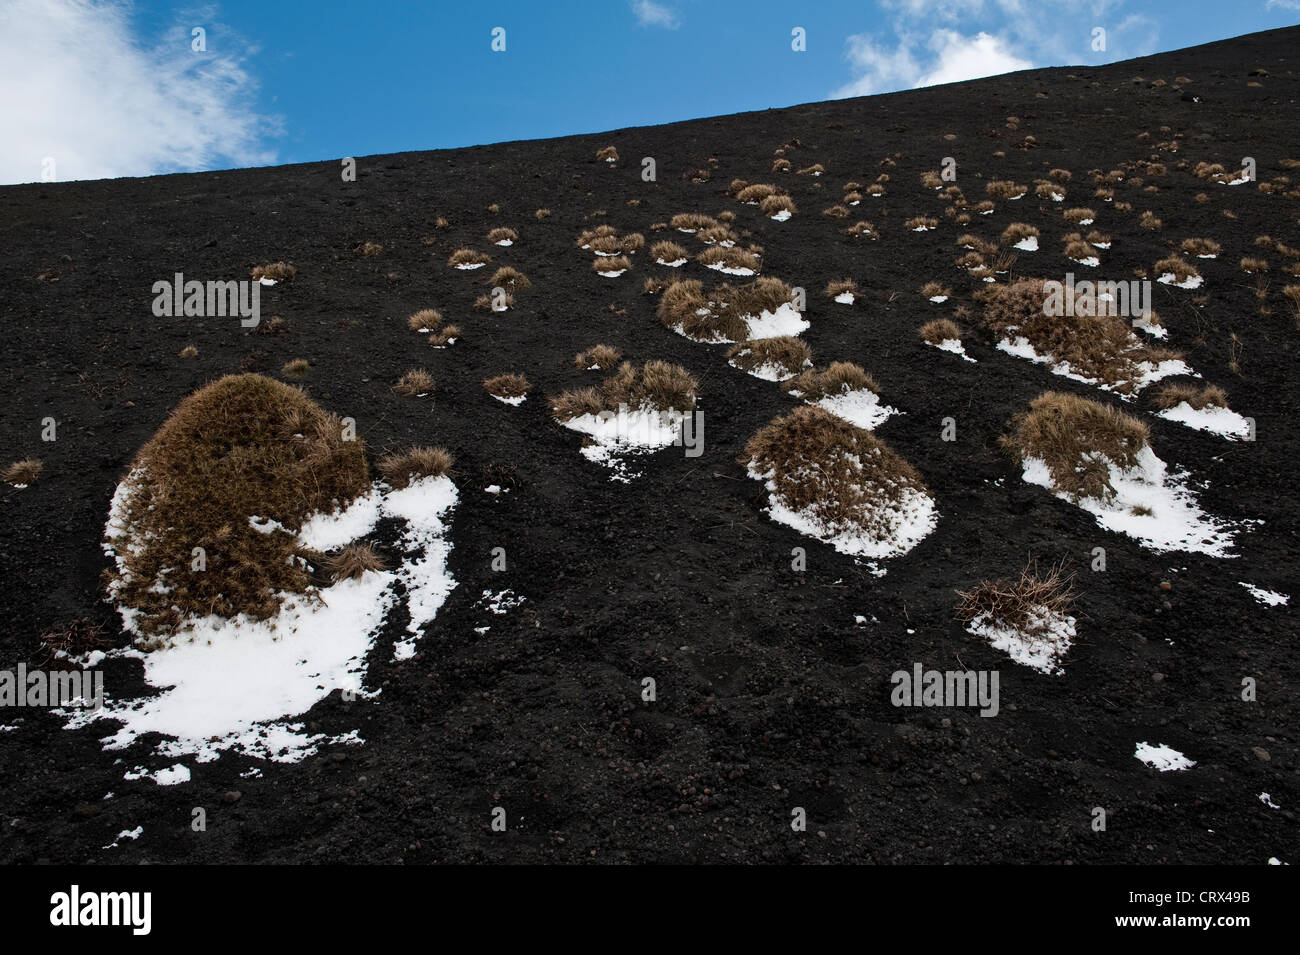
(24, 472)
(940, 330)
(509, 385)
(1174, 393)
(838, 378)
(417, 381)
(784, 356)
(276, 271)
(1005, 189)
(664, 252)
(242, 447)
(842, 476)
(1026, 606)
(612, 264)
(352, 562)
(1077, 439)
(401, 468)
(426, 319)
(655, 384)
(463, 258)
(598, 356)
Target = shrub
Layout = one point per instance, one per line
(1254, 265)
(935, 290)
(665, 252)
(1018, 232)
(510, 278)
(607, 154)
(1029, 606)
(443, 338)
(1077, 439)
(541, 214)
(1079, 216)
(1005, 189)
(1049, 190)
(276, 271)
(834, 289)
(468, 259)
(656, 384)
(691, 222)
(840, 476)
(612, 265)
(721, 315)
(189, 351)
(862, 229)
(503, 236)
(1099, 347)
(1197, 396)
(838, 378)
(1200, 247)
(510, 385)
(417, 381)
(399, 469)
(1150, 222)
(816, 169)
(729, 259)
(940, 330)
(597, 356)
(24, 472)
(1179, 268)
(780, 165)
(755, 193)
(425, 320)
(242, 447)
(919, 223)
(775, 205)
(836, 212)
(369, 250)
(352, 562)
(296, 368)
(782, 357)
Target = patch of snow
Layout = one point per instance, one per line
(616, 438)
(1168, 278)
(938, 299)
(1091, 261)
(953, 345)
(845, 298)
(516, 401)
(1221, 421)
(786, 320)
(1149, 505)
(1267, 800)
(781, 216)
(1041, 645)
(674, 264)
(1149, 372)
(126, 834)
(469, 266)
(1162, 757)
(862, 408)
(1027, 244)
(1269, 598)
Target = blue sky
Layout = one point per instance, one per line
(95, 88)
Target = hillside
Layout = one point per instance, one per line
(772, 682)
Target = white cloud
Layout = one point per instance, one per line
(651, 14)
(1284, 4)
(948, 57)
(80, 89)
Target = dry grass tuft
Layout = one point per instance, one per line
(1079, 216)
(841, 476)
(940, 330)
(692, 222)
(1150, 221)
(1005, 189)
(1026, 606)
(611, 264)
(189, 351)
(816, 169)
(1200, 247)
(1018, 232)
(724, 259)
(276, 271)
(296, 368)
(862, 229)
(607, 154)
(921, 223)
(775, 205)
(503, 235)
(509, 385)
(1253, 265)
(1197, 396)
(399, 469)
(417, 381)
(24, 472)
(369, 250)
(1098, 347)
(242, 447)
(426, 319)
(753, 194)
(782, 357)
(1180, 269)
(935, 290)
(444, 337)
(719, 316)
(664, 252)
(840, 287)
(353, 562)
(598, 356)
(510, 278)
(1077, 439)
(838, 378)
(463, 258)
(656, 384)
(541, 214)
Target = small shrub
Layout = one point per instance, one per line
(353, 562)
(468, 259)
(1005, 189)
(607, 154)
(1077, 439)
(838, 378)
(598, 356)
(425, 320)
(1197, 396)
(24, 472)
(510, 278)
(782, 357)
(503, 236)
(509, 385)
(940, 330)
(1254, 265)
(862, 229)
(401, 468)
(276, 271)
(417, 381)
(1028, 606)
(612, 265)
(296, 368)
(1150, 222)
(1205, 247)
(189, 351)
(444, 337)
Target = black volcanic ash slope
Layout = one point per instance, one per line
(770, 694)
